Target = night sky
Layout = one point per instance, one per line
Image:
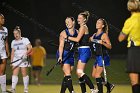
(44, 19)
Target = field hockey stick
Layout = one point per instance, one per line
(51, 42)
(16, 60)
(17, 66)
(104, 69)
(59, 62)
(48, 72)
(67, 56)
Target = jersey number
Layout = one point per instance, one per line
(3, 38)
(94, 47)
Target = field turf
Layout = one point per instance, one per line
(51, 84)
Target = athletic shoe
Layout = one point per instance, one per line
(11, 91)
(25, 90)
(72, 92)
(111, 88)
(5, 92)
(94, 90)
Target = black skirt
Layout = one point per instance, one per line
(133, 62)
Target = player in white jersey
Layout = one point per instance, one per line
(21, 48)
(4, 52)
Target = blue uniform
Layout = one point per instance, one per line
(68, 57)
(100, 52)
(84, 52)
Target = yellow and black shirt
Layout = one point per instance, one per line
(132, 29)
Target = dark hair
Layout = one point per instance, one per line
(105, 28)
(17, 28)
(85, 14)
(133, 5)
(72, 18)
(38, 40)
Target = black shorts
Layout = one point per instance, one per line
(133, 61)
(37, 68)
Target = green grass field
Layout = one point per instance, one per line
(56, 88)
(52, 83)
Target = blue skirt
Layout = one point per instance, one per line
(99, 60)
(84, 54)
(67, 58)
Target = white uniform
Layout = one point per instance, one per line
(3, 35)
(20, 49)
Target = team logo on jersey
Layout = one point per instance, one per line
(3, 36)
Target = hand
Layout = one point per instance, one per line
(24, 57)
(60, 59)
(100, 42)
(66, 38)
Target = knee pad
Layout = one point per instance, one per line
(80, 71)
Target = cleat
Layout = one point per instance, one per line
(111, 88)
(25, 90)
(94, 90)
(10, 91)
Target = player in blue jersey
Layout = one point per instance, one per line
(84, 52)
(65, 54)
(101, 47)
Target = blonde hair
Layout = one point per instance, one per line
(1, 15)
(17, 28)
(133, 5)
(86, 15)
(105, 28)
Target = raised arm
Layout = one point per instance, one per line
(80, 34)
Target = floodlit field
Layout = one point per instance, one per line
(52, 83)
(56, 89)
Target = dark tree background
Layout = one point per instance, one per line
(52, 13)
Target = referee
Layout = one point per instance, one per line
(38, 58)
(131, 31)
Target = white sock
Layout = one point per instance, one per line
(91, 89)
(26, 81)
(3, 82)
(14, 81)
